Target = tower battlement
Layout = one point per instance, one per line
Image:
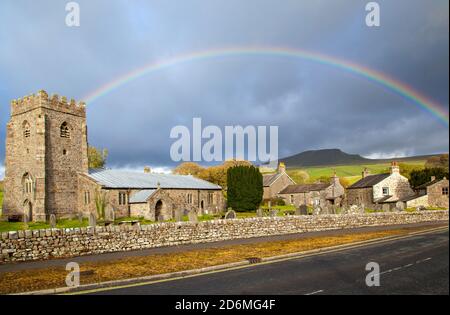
(53, 102)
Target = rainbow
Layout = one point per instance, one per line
(397, 87)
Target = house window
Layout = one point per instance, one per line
(64, 130)
(26, 129)
(122, 198)
(385, 191)
(87, 197)
(445, 191)
(292, 199)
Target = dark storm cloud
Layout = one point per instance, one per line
(315, 106)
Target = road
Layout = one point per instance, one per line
(415, 265)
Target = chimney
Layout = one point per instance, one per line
(433, 178)
(365, 173)
(147, 170)
(281, 168)
(334, 178)
(395, 169)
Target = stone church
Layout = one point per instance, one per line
(46, 171)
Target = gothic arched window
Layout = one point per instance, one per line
(64, 130)
(26, 129)
(27, 182)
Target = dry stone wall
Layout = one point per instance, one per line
(58, 243)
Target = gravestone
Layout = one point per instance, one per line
(386, 207)
(160, 218)
(302, 210)
(178, 215)
(259, 213)
(400, 206)
(353, 209)
(273, 213)
(92, 220)
(193, 216)
(231, 214)
(269, 204)
(110, 215)
(25, 219)
(317, 210)
(80, 217)
(52, 221)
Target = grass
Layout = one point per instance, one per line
(62, 224)
(351, 172)
(28, 280)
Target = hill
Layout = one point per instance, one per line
(334, 157)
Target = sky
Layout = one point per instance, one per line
(315, 105)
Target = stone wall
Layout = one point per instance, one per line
(58, 243)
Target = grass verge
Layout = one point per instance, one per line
(40, 279)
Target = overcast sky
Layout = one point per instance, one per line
(315, 106)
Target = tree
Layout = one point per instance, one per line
(188, 168)
(245, 188)
(419, 177)
(97, 157)
(440, 161)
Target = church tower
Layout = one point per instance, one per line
(46, 148)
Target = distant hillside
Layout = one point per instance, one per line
(329, 157)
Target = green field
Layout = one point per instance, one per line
(351, 172)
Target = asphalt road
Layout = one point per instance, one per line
(416, 265)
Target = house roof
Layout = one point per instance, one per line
(135, 180)
(412, 197)
(369, 181)
(429, 183)
(385, 199)
(295, 189)
(270, 178)
(141, 196)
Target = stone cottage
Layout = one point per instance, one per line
(431, 194)
(314, 194)
(274, 183)
(46, 170)
(374, 191)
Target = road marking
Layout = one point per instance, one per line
(408, 265)
(315, 292)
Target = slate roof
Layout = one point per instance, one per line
(141, 196)
(270, 178)
(412, 197)
(295, 189)
(384, 199)
(428, 184)
(369, 181)
(135, 180)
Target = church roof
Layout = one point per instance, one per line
(141, 196)
(135, 180)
